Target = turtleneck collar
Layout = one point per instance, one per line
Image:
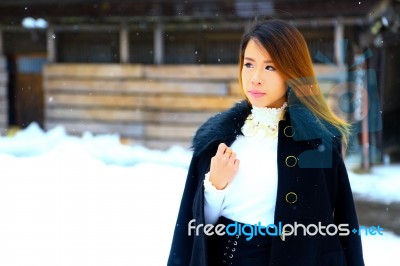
(263, 121)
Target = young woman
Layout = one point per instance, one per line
(273, 160)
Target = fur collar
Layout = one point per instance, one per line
(224, 127)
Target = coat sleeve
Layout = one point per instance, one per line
(181, 247)
(183, 243)
(345, 213)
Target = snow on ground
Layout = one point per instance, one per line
(90, 201)
(382, 184)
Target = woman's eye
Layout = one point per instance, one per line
(270, 68)
(248, 65)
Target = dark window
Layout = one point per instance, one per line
(320, 44)
(89, 47)
(188, 47)
(24, 42)
(223, 47)
(183, 47)
(141, 47)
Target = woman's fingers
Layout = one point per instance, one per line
(232, 158)
(224, 151)
(224, 166)
(236, 164)
(221, 149)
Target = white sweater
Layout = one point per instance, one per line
(250, 197)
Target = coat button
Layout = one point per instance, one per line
(291, 197)
(288, 131)
(290, 161)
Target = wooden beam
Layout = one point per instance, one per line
(108, 86)
(124, 44)
(192, 72)
(170, 131)
(188, 103)
(104, 71)
(159, 43)
(51, 45)
(339, 45)
(1, 43)
(124, 115)
(77, 127)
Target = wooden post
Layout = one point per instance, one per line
(1, 42)
(51, 45)
(159, 43)
(339, 43)
(124, 44)
(361, 111)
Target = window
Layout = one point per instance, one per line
(90, 47)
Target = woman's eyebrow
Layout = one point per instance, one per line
(252, 60)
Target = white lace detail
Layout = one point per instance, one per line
(208, 186)
(263, 122)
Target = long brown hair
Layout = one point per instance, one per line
(290, 54)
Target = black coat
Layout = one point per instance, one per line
(313, 187)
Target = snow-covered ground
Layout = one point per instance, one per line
(91, 201)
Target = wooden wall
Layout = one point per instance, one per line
(3, 96)
(153, 105)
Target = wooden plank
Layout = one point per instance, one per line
(3, 96)
(77, 100)
(162, 144)
(322, 69)
(140, 101)
(3, 102)
(110, 71)
(3, 130)
(3, 90)
(142, 86)
(234, 88)
(3, 107)
(3, 77)
(3, 118)
(202, 72)
(170, 132)
(101, 114)
(127, 130)
(192, 72)
(94, 114)
(327, 73)
(179, 117)
(3, 64)
(192, 103)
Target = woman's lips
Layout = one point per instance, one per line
(256, 93)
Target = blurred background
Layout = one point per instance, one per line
(103, 65)
(148, 73)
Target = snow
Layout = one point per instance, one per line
(89, 200)
(381, 184)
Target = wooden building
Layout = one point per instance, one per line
(152, 71)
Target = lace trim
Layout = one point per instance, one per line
(263, 122)
(208, 186)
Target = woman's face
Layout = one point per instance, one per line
(262, 83)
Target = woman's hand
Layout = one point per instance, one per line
(224, 167)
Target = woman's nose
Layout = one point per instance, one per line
(255, 80)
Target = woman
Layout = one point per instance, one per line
(271, 160)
